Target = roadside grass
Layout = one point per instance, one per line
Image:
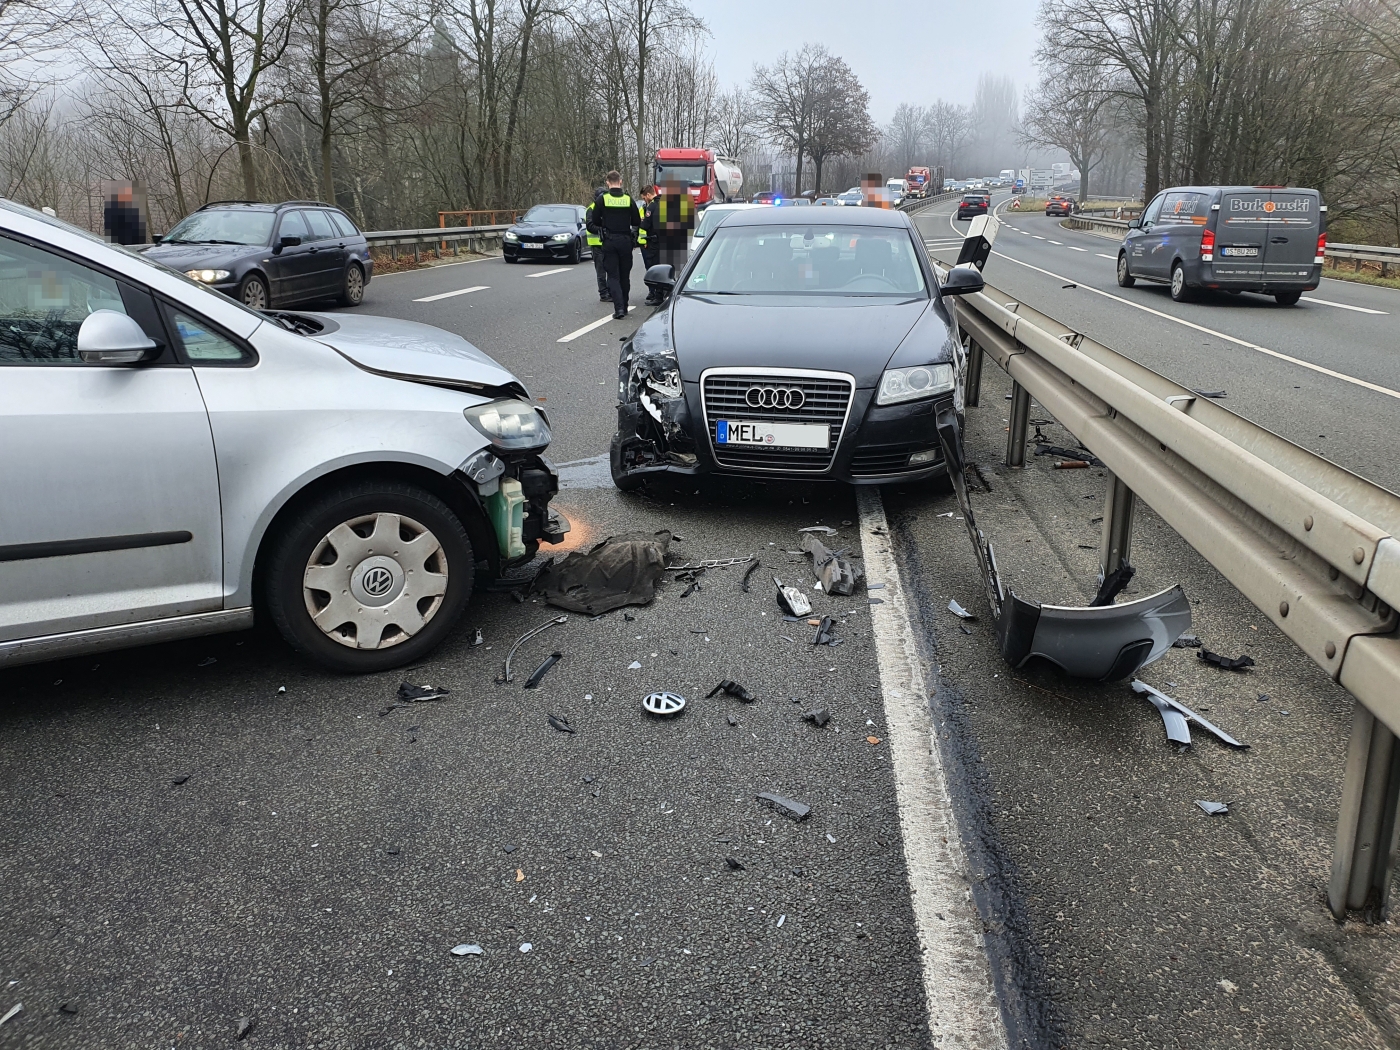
(1370, 273)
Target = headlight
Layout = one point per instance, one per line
(561, 237)
(511, 236)
(911, 384)
(207, 276)
(511, 425)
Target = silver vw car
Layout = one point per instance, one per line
(170, 460)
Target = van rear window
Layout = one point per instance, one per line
(1184, 207)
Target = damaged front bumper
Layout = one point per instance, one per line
(513, 492)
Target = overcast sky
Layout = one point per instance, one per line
(915, 53)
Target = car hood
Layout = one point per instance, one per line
(201, 256)
(408, 350)
(855, 335)
(545, 228)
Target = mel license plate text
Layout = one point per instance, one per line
(772, 435)
(1250, 252)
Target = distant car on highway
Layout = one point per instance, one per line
(972, 205)
(174, 459)
(267, 255)
(766, 197)
(553, 232)
(1059, 205)
(793, 347)
(1269, 239)
(851, 198)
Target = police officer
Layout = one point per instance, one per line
(650, 240)
(595, 249)
(617, 221)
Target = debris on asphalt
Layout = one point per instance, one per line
(412, 694)
(1263, 698)
(734, 689)
(67, 1008)
(621, 570)
(207, 661)
(1074, 455)
(1228, 663)
(732, 721)
(744, 582)
(693, 578)
(818, 716)
(11, 1012)
(786, 806)
(734, 865)
(1112, 585)
(1187, 641)
(560, 723)
(872, 740)
(635, 665)
(543, 669)
(961, 613)
(177, 781)
(479, 639)
(1212, 394)
(467, 949)
(877, 601)
(782, 919)
(245, 1025)
(964, 628)
(1165, 703)
(825, 530)
(505, 674)
(792, 600)
(1069, 464)
(1215, 809)
(509, 849)
(527, 946)
(663, 703)
(519, 875)
(836, 574)
(826, 633)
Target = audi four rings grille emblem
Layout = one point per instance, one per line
(774, 397)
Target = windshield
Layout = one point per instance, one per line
(688, 174)
(558, 214)
(806, 259)
(223, 226)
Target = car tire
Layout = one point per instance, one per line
(373, 522)
(508, 259)
(624, 482)
(1125, 278)
(353, 293)
(576, 254)
(1180, 291)
(1287, 298)
(253, 293)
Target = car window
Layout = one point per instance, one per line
(1184, 207)
(44, 299)
(558, 214)
(223, 226)
(320, 224)
(342, 224)
(806, 259)
(203, 344)
(1153, 210)
(293, 225)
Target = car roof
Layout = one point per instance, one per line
(265, 205)
(835, 217)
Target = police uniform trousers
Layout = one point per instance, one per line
(617, 260)
(600, 272)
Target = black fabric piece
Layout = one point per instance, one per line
(1228, 663)
(1113, 585)
(621, 570)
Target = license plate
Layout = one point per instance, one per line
(772, 435)
(1240, 253)
(532, 247)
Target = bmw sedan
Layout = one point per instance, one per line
(174, 461)
(549, 233)
(795, 348)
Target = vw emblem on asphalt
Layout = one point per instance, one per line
(378, 581)
(775, 397)
(663, 704)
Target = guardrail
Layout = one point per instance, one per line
(477, 239)
(1313, 546)
(1360, 253)
(924, 202)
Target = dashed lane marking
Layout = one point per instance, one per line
(449, 295)
(1076, 248)
(585, 329)
(546, 273)
(1037, 236)
(1060, 243)
(1344, 306)
(1101, 255)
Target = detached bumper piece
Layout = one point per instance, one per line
(1106, 643)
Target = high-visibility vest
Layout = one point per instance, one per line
(642, 231)
(594, 241)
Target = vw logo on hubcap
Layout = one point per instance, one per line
(775, 397)
(378, 581)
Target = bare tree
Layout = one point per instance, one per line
(949, 129)
(1072, 110)
(734, 134)
(841, 125)
(786, 96)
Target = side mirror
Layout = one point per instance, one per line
(107, 337)
(661, 277)
(286, 242)
(1135, 224)
(962, 280)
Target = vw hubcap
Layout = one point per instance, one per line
(375, 581)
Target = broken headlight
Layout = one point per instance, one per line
(510, 424)
(667, 383)
(911, 384)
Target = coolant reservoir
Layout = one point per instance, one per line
(507, 510)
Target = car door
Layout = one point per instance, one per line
(1240, 235)
(328, 251)
(1291, 231)
(110, 507)
(293, 266)
(1149, 246)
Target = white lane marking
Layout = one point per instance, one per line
(1101, 255)
(1377, 388)
(546, 273)
(449, 295)
(962, 1006)
(1025, 233)
(437, 266)
(1060, 243)
(585, 329)
(1075, 248)
(1343, 306)
(1037, 236)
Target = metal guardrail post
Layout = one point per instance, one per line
(1016, 431)
(1363, 861)
(1119, 508)
(972, 377)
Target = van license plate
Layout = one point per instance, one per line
(1250, 252)
(773, 435)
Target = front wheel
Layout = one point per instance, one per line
(1125, 279)
(625, 482)
(576, 254)
(369, 576)
(1287, 298)
(508, 259)
(252, 293)
(1181, 292)
(353, 293)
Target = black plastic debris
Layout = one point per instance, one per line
(1113, 585)
(561, 723)
(961, 613)
(877, 601)
(245, 1025)
(733, 864)
(786, 806)
(480, 639)
(177, 781)
(734, 689)
(207, 661)
(732, 721)
(836, 573)
(1263, 698)
(1187, 641)
(819, 717)
(621, 570)
(1080, 454)
(693, 578)
(629, 617)
(964, 628)
(791, 600)
(543, 669)
(67, 1008)
(826, 633)
(1228, 663)
(1214, 395)
(413, 694)
(744, 582)
(1214, 809)
(1176, 716)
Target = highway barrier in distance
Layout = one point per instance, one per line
(1315, 547)
(476, 238)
